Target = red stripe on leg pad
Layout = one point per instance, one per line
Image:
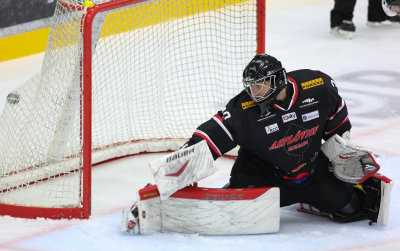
(180, 171)
(202, 193)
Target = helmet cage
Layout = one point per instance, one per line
(274, 82)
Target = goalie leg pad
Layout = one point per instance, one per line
(130, 221)
(210, 211)
(378, 190)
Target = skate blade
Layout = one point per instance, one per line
(384, 24)
(308, 209)
(342, 34)
(128, 223)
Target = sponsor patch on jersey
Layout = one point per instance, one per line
(310, 116)
(289, 117)
(308, 102)
(248, 104)
(272, 128)
(290, 141)
(267, 116)
(312, 83)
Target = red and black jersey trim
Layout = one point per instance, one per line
(342, 105)
(220, 122)
(293, 98)
(327, 133)
(210, 143)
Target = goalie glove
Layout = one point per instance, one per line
(351, 164)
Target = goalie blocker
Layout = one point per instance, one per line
(209, 211)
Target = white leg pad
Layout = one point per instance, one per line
(210, 211)
(386, 189)
(129, 223)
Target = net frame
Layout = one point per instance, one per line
(84, 211)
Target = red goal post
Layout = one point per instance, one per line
(119, 78)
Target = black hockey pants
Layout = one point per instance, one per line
(324, 191)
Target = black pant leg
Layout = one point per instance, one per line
(342, 10)
(249, 180)
(329, 194)
(288, 195)
(375, 11)
(324, 191)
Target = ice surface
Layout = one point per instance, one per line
(367, 72)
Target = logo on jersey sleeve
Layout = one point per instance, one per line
(310, 116)
(248, 104)
(312, 83)
(289, 117)
(272, 128)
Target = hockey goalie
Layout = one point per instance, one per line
(293, 133)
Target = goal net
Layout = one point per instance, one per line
(119, 78)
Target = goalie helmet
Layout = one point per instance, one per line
(264, 71)
(391, 7)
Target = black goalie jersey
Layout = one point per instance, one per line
(286, 141)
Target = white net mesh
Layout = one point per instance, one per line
(159, 69)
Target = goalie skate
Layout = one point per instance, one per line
(309, 209)
(130, 220)
(345, 30)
